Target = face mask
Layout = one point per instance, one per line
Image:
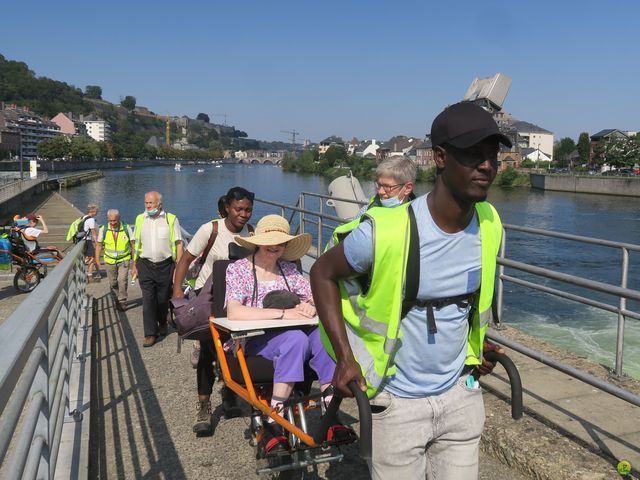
(390, 202)
(153, 212)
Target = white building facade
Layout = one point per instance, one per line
(99, 130)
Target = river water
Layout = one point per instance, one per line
(581, 329)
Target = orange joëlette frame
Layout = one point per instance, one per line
(248, 393)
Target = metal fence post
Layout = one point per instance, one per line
(301, 203)
(500, 286)
(320, 227)
(622, 306)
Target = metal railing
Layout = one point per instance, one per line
(621, 292)
(322, 221)
(37, 351)
(16, 187)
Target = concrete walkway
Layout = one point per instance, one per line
(58, 213)
(143, 407)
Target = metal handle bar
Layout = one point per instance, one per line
(514, 380)
(364, 413)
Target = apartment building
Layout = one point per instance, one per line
(31, 128)
(97, 128)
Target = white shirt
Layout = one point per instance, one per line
(219, 250)
(155, 238)
(89, 224)
(31, 232)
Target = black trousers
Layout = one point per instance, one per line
(205, 373)
(156, 283)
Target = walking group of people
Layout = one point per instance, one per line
(403, 295)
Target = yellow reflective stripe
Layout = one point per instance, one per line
(365, 360)
(486, 317)
(366, 322)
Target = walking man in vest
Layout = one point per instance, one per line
(416, 347)
(117, 241)
(87, 228)
(158, 246)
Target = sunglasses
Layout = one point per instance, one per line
(240, 194)
(470, 157)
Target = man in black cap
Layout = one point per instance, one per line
(413, 339)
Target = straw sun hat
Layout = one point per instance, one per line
(274, 230)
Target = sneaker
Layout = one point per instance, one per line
(163, 329)
(149, 341)
(203, 426)
(121, 306)
(195, 354)
(339, 434)
(273, 440)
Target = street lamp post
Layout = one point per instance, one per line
(21, 172)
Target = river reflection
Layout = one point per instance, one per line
(585, 330)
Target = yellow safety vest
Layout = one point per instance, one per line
(171, 220)
(117, 245)
(373, 319)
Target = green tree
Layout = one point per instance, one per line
(84, 148)
(289, 163)
(128, 102)
(526, 163)
(203, 116)
(584, 147)
(42, 95)
(56, 147)
(562, 149)
(335, 154)
(506, 177)
(93, 91)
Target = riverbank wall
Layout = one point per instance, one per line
(20, 193)
(624, 186)
(54, 166)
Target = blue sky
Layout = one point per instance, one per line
(367, 69)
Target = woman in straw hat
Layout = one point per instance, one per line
(252, 283)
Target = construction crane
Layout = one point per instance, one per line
(167, 132)
(293, 134)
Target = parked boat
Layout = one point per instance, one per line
(201, 170)
(178, 167)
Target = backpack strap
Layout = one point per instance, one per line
(413, 282)
(212, 240)
(413, 266)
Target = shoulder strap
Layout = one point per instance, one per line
(283, 276)
(413, 265)
(212, 240)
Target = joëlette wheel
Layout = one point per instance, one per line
(26, 279)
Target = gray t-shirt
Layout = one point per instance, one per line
(450, 265)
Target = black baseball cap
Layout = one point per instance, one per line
(463, 125)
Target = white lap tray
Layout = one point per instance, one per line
(251, 328)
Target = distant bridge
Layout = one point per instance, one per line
(261, 160)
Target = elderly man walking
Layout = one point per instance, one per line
(118, 244)
(158, 246)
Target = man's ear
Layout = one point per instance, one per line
(439, 157)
